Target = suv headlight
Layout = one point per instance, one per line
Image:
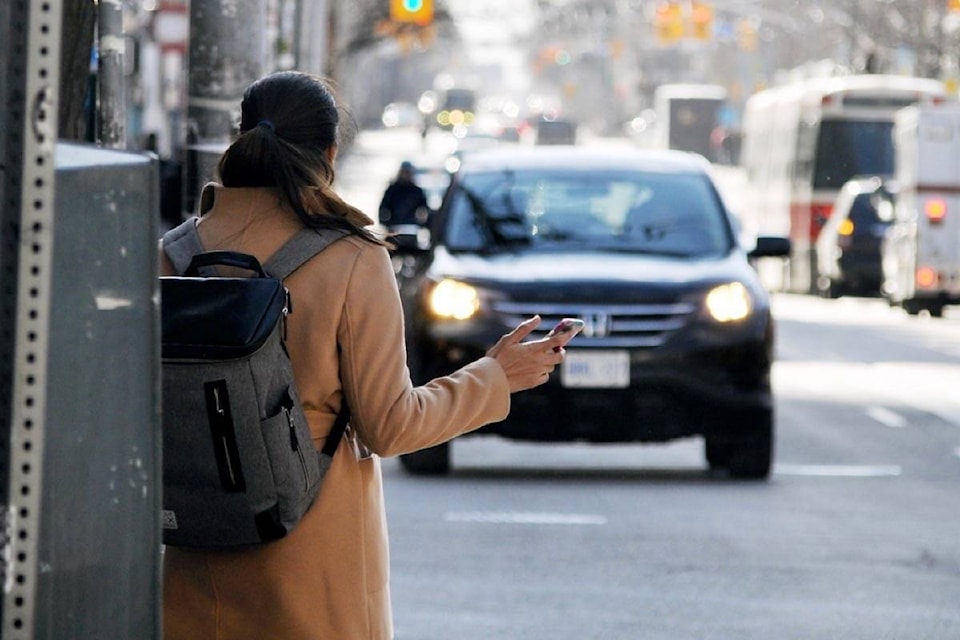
(453, 299)
(729, 302)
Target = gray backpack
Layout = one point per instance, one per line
(239, 466)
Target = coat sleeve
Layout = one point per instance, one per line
(389, 414)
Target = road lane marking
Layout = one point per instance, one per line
(902, 386)
(838, 470)
(886, 417)
(521, 517)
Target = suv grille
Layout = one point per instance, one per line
(611, 326)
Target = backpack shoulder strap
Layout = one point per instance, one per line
(182, 243)
(304, 244)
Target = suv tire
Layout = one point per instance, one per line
(748, 455)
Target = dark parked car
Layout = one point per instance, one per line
(678, 339)
(849, 256)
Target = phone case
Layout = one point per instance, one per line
(570, 326)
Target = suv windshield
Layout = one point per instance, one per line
(670, 214)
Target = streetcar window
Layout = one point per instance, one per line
(849, 148)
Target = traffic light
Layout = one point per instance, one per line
(419, 12)
(701, 19)
(746, 35)
(668, 22)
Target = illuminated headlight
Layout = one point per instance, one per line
(454, 300)
(729, 302)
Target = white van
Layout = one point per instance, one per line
(921, 252)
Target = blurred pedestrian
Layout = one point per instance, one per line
(404, 202)
(328, 579)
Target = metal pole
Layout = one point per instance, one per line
(112, 108)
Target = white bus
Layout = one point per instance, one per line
(803, 141)
(687, 115)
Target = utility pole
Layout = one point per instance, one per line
(112, 108)
(312, 36)
(226, 53)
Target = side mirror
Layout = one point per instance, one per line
(409, 239)
(770, 247)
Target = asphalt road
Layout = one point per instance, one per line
(856, 535)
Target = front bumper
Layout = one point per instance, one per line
(698, 383)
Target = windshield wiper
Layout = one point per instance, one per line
(490, 225)
(645, 251)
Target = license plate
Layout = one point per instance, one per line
(595, 369)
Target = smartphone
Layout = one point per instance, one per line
(568, 326)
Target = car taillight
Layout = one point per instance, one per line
(845, 234)
(935, 209)
(926, 278)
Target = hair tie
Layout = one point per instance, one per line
(267, 124)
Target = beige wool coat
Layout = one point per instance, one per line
(328, 579)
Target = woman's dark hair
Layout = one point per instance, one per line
(288, 122)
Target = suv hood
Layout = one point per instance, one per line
(589, 266)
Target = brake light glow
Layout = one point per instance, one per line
(935, 209)
(926, 278)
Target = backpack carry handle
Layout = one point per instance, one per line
(224, 258)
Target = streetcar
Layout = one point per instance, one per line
(804, 140)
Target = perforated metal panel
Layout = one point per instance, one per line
(30, 76)
(30, 112)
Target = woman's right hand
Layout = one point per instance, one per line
(527, 364)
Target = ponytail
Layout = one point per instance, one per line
(289, 122)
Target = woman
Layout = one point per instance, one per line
(328, 579)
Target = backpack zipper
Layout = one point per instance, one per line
(220, 419)
(295, 445)
(224, 441)
(287, 310)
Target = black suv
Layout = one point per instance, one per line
(678, 339)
